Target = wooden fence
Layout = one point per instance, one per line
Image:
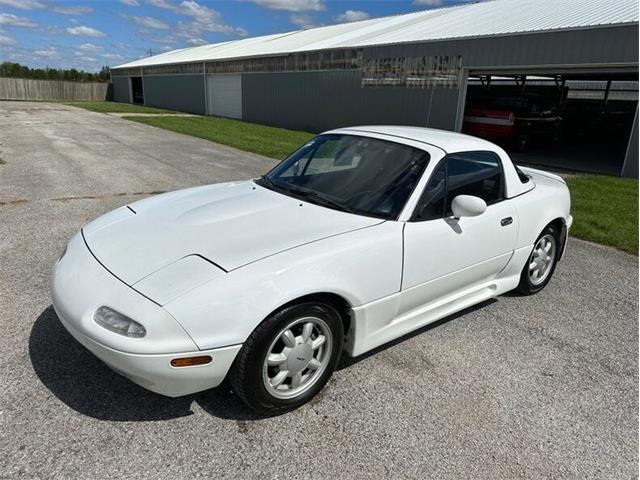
(51, 90)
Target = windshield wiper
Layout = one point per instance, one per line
(320, 198)
(268, 181)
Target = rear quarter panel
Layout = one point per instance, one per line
(538, 207)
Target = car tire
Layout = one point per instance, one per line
(541, 263)
(284, 363)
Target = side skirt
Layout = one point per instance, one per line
(382, 313)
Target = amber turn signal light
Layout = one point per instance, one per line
(191, 361)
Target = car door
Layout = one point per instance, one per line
(444, 255)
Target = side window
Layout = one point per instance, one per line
(474, 173)
(431, 204)
(467, 173)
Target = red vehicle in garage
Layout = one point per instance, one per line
(510, 128)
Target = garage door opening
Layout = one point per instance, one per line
(137, 93)
(572, 122)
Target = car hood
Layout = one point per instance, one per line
(228, 224)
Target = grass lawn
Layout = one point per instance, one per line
(115, 107)
(605, 210)
(269, 141)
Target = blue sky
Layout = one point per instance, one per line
(89, 34)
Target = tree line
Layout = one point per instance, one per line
(15, 70)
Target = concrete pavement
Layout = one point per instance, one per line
(519, 387)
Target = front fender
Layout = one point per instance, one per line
(360, 266)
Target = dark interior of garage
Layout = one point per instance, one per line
(137, 92)
(568, 122)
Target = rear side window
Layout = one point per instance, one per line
(467, 173)
(524, 178)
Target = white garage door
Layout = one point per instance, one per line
(224, 95)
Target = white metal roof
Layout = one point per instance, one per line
(497, 17)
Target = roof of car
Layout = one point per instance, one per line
(443, 139)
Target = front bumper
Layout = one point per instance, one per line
(80, 285)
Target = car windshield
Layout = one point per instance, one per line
(355, 174)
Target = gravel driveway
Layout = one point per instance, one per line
(518, 387)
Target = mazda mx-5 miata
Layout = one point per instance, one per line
(359, 237)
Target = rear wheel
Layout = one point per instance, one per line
(287, 360)
(541, 264)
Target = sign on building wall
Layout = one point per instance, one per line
(420, 72)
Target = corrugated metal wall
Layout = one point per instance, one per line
(319, 100)
(175, 92)
(121, 89)
(591, 46)
(316, 101)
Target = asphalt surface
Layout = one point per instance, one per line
(520, 387)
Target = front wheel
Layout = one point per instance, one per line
(287, 360)
(541, 264)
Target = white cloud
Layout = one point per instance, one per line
(161, 4)
(199, 21)
(89, 47)
(6, 41)
(303, 20)
(149, 22)
(351, 16)
(12, 20)
(130, 3)
(23, 4)
(292, 5)
(197, 41)
(36, 4)
(53, 30)
(428, 3)
(112, 56)
(72, 10)
(204, 20)
(194, 9)
(84, 31)
(49, 52)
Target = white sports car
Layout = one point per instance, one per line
(359, 237)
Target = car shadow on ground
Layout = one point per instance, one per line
(85, 384)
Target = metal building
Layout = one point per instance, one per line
(554, 81)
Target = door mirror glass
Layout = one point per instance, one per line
(468, 206)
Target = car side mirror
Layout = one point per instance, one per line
(468, 206)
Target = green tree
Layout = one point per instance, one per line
(15, 70)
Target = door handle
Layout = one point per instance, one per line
(506, 221)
